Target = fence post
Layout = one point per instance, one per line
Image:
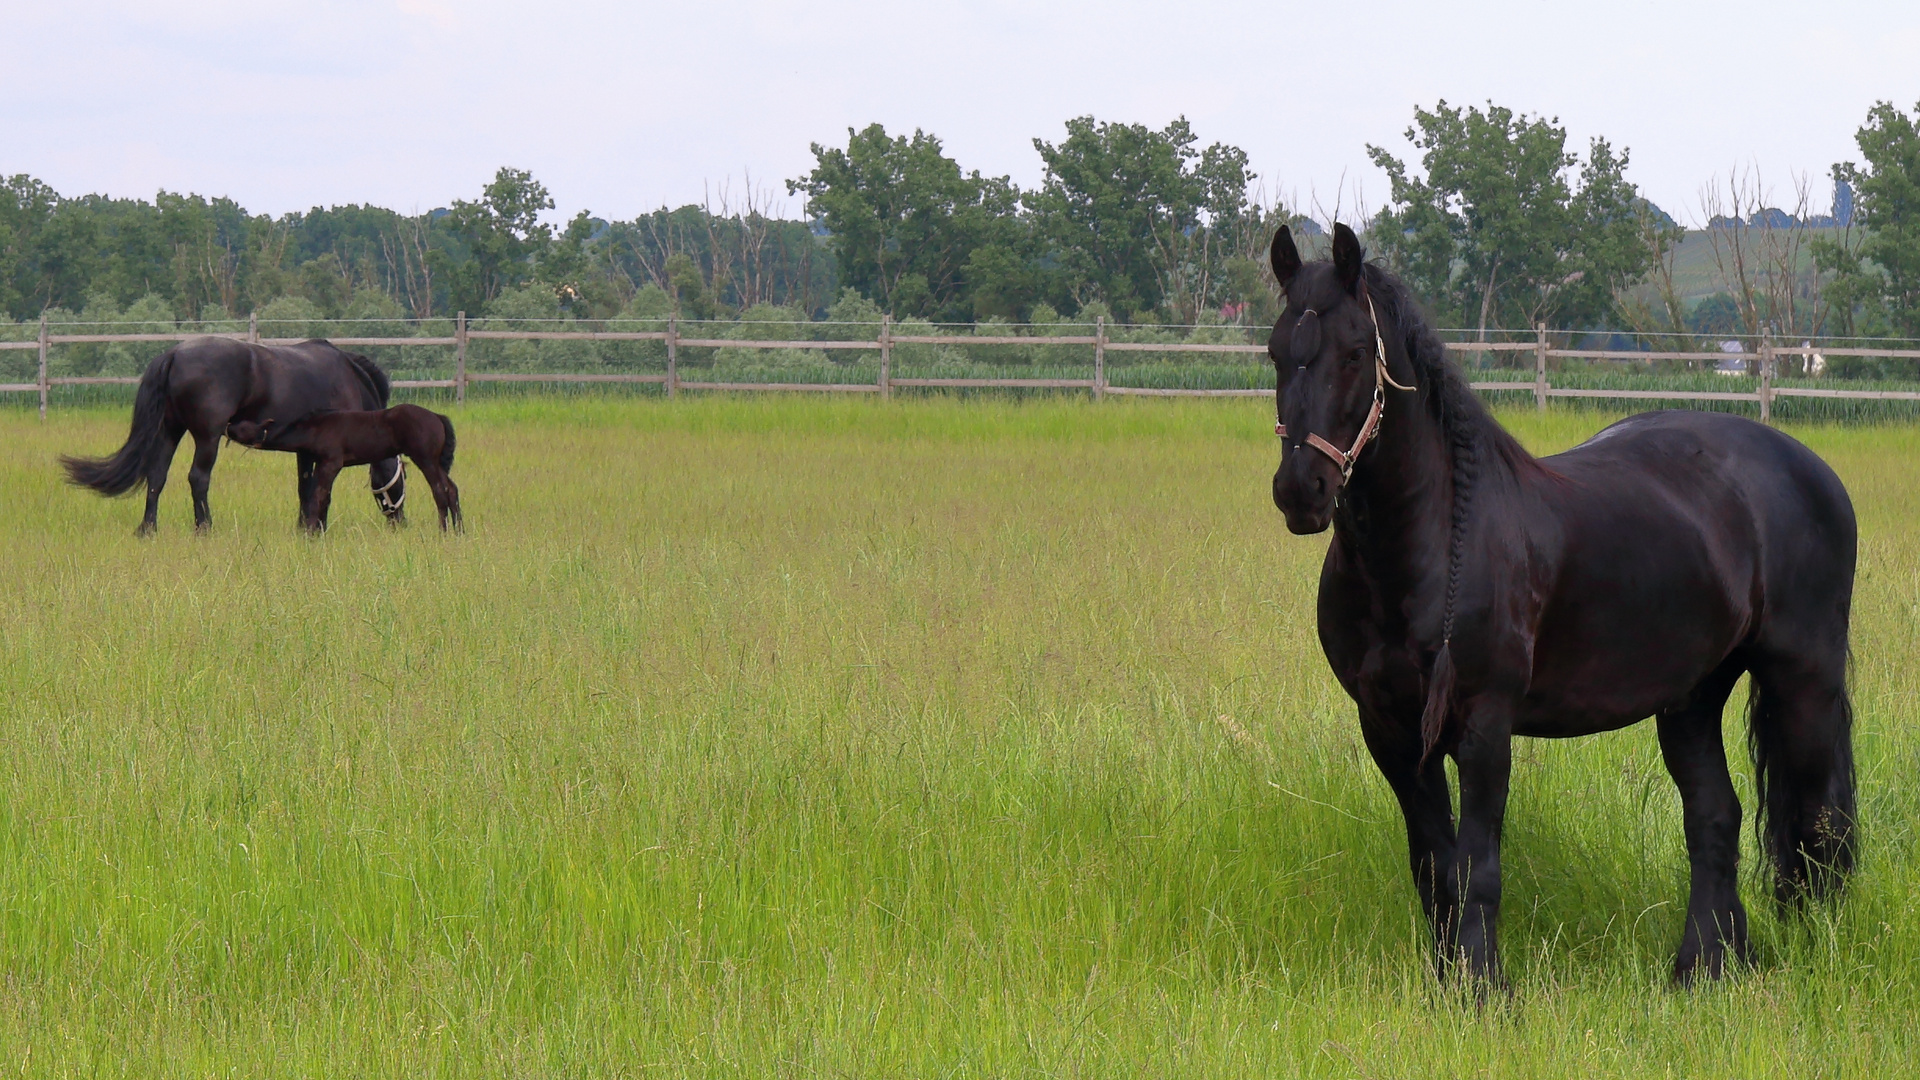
(253, 328)
(1766, 375)
(43, 367)
(1100, 358)
(460, 357)
(886, 357)
(673, 356)
(1540, 368)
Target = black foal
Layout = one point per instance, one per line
(336, 440)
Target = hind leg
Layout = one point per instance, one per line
(1690, 741)
(206, 451)
(1803, 736)
(446, 496)
(157, 477)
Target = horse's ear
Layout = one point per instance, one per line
(1284, 256)
(1348, 256)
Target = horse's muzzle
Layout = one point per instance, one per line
(1304, 487)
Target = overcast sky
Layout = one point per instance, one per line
(621, 108)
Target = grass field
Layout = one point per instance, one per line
(778, 737)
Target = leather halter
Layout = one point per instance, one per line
(388, 503)
(1381, 380)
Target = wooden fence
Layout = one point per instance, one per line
(1098, 385)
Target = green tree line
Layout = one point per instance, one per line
(1494, 220)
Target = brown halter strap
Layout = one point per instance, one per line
(1381, 380)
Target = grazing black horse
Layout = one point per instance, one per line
(203, 384)
(1473, 592)
(338, 440)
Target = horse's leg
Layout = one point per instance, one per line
(1484, 757)
(1427, 806)
(314, 520)
(157, 476)
(389, 489)
(446, 497)
(1690, 742)
(206, 450)
(1803, 734)
(303, 469)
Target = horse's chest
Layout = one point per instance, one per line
(1378, 663)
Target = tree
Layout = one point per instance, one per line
(1499, 231)
(1878, 274)
(903, 221)
(27, 209)
(501, 234)
(1131, 215)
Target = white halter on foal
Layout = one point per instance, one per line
(1381, 380)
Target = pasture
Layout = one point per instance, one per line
(781, 737)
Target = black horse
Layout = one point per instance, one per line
(203, 384)
(1473, 593)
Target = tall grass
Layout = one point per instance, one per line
(794, 737)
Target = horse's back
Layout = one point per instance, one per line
(1680, 538)
(1724, 472)
(215, 379)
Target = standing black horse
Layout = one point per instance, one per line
(1473, 593)
(203, 384)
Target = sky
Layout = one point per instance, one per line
(622, 108)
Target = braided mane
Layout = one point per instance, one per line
(1473, 440)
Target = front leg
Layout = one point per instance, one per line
(1427, 806)
(320, 497)
(1484, 756)
(303, 470)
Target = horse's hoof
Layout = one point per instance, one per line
(146, 530)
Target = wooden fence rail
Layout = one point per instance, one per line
(1540, 386)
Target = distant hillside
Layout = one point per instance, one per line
(1697, 275)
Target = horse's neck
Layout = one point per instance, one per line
(1395, 512)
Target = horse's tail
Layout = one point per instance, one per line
(1808, 835)
(127, 468)
(446, 452)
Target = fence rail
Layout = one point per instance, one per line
(1099, 384)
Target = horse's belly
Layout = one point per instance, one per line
(1600, 680)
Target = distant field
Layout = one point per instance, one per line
(790, 737)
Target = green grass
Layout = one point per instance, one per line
(751, 737)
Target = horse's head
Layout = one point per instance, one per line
(248, 432)
(1332, 376)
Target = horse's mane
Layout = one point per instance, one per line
(1474, 441)
(1455, 406)
(371, 374)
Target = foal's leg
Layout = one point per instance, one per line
(206, 450)
(157, 477)
(446, 497)
(303, 469)
(1427, 806)
(320, 498)
(1690, 741)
